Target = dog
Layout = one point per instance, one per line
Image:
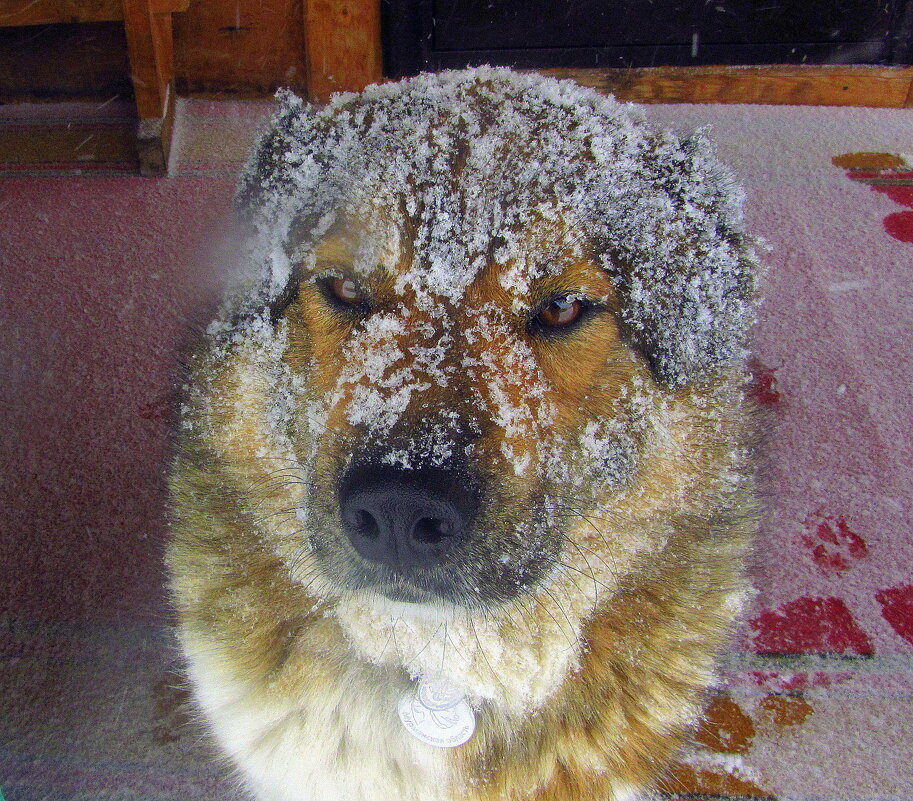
(465, 479)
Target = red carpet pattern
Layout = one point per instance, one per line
(890, 174)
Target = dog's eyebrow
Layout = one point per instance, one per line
(337, 250)
(343, 250)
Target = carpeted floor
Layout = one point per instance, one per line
(97, 282)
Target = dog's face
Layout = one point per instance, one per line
(480, 365)
(461, 433)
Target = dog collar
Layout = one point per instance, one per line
(437, 714)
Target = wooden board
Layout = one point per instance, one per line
(342, 45)
(241, 46)
(68, 138)
(808, 86)
(70, 144)
(49, 12)
(60, 62)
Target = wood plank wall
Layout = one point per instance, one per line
(239, 46)
(320, 46)
(255, 46)
(252, 47)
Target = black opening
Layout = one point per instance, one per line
(436, 34)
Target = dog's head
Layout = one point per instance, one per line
(479, 292)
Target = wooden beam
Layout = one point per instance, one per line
(342, 45)
(151, 47)
(890, 87)
(49, 12)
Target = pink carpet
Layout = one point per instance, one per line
(97, 283)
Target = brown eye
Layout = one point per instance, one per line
(346, 291)
(560, 312)
(343, 293)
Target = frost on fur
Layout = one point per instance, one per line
(658, 211)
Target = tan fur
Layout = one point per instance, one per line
(644, 596)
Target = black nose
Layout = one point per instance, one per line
(406, 518)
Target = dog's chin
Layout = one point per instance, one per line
(403, 590)
(415, 605)
(414, 596)
(404, 599)
(406, 595)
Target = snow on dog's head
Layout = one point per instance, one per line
(482, 317)
(466, 162)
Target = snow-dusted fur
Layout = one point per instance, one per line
(613, 455)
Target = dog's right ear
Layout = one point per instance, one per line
(267, 176)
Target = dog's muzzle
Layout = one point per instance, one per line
(407, 520)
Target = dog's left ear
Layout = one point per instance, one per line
(267, 177)
(288, 162)
(686, 273)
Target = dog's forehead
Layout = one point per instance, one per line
(388, 249)
(446, 188)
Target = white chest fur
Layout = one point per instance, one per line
(343, 743)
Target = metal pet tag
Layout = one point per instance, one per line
(438, 715)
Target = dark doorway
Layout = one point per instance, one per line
(436, 34)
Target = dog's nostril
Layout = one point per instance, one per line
(366, 524)
(431, 530)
